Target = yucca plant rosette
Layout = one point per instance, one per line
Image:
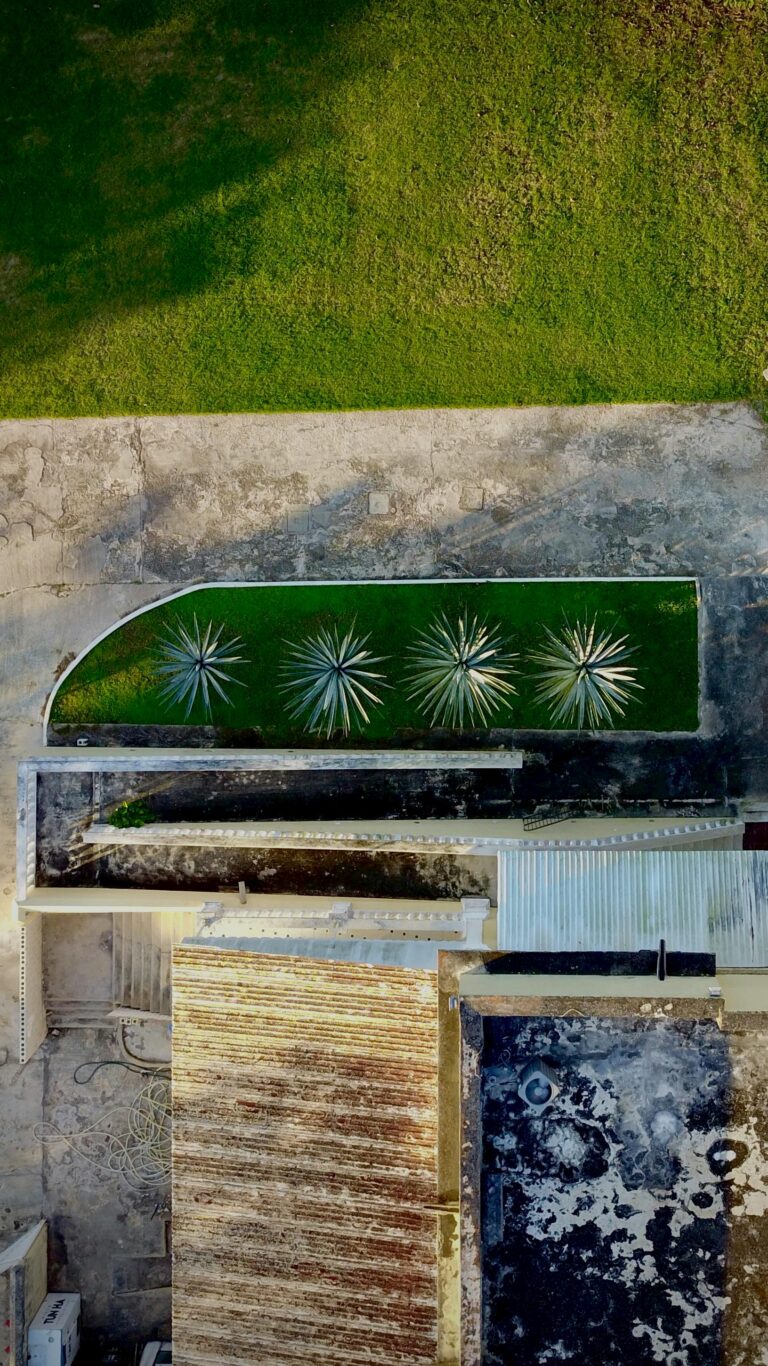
(459, 672)
(583, 675)
(330, 680)
(193, 663)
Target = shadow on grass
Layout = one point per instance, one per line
(133, 139)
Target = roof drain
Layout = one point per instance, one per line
(538, 1085)
(661, 961)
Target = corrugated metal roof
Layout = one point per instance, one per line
(305, 1161)
(404, 953)
(699, 901)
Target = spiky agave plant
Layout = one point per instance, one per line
(584, 675)
(193, 664)
(330, 681)
(460, 672)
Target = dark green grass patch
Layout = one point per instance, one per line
(116, 682)
(233, 205)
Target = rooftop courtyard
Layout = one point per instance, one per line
(355, 846)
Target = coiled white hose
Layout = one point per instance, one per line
(139, 1151)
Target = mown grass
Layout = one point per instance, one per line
(223, 205)
(117, 681)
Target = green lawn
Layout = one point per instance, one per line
(117, 682)
(223, 205)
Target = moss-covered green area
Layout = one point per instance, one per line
(234, 205)
(117, 681)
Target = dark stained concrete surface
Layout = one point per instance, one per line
(604, 1215)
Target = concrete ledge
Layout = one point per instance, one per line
(93, 760)
(540, 986)
(460, 837)
(736, 992)
(254, 914)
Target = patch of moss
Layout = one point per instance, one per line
(129, 815)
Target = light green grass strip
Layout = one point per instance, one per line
(234, 205)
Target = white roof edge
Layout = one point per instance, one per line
(18, 1249)
(83, 900)
(138, 759)
(402, 835)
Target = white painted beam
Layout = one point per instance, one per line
(460, 837)
(363, 917)
(573, 986)
(135, 760)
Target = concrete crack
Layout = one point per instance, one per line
(137, 446)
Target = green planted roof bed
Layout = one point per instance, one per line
(117, 681)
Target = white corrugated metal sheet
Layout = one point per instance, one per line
(699, 901)
(142, 948)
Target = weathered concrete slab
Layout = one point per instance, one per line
(604, 1220)
(694, 1044)
(72, 503)
(635, 490)
(606, 490)
(653, 489)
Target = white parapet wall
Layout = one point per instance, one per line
(33, 1026)
(463, 838)
(134, 760)
(459, 923)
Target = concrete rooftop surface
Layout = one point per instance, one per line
(658, 489)
(101, 516)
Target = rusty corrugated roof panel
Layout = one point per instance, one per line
(305, 1161)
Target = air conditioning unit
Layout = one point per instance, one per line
(54, 1333)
